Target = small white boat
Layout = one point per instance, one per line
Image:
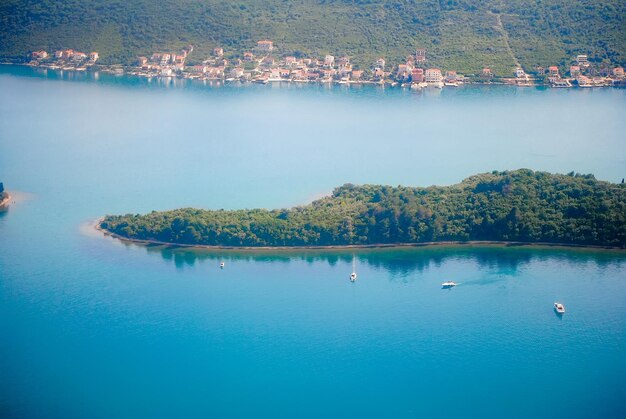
(222, 265)
(448, 284)
(353, 274)
(559, 308)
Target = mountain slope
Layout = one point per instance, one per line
(458, 34)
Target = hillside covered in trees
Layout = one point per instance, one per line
(462, 35)
(519, 205)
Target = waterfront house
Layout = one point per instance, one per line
(197, 69)
(519, 72)
(67, 53)
(404, 70)
(284, 73)
(357, 74)
(328, 73)
(451, 76)
(178, 59)
(487, 72)
(142, 61)
(236, 72)
(541, 71)
(329, 60)
(39, 55)
(58, 54)
(312, 75)
(265, 45)
(215, 72)
(218, 52)
(417, 75)
(275, 74)
(583, 81)
(94, 56)
(290, 61)
(574, 71)
(553, 71)
(380, 63)
(433, 75)
(79, 56)
(618, 72)
(298, 75)
(599, 81)
(248, 56)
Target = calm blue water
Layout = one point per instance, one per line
(92, 327)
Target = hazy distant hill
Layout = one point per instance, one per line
(459, 34)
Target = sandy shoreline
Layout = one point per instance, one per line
(98, 227)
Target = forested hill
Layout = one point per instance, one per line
(519, 205)
(462, 35)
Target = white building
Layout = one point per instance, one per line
(582, 60)
(433, 75)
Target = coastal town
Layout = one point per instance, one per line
(263, 64)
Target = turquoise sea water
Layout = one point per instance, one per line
(92, 327)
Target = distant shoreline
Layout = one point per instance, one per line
(129, 71)
(97, 226)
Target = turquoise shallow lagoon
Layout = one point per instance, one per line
(93, 327)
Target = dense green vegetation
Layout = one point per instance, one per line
(464, 35)
(519, 205)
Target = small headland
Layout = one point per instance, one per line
(5, 197)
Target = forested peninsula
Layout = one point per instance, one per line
(516, 206)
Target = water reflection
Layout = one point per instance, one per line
(401, 262)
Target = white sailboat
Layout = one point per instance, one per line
(353, 274)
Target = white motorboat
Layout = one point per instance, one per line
(559, 308)
(448, 284)
(353, 274)
(222, 265)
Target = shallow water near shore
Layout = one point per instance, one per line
(94, 327)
